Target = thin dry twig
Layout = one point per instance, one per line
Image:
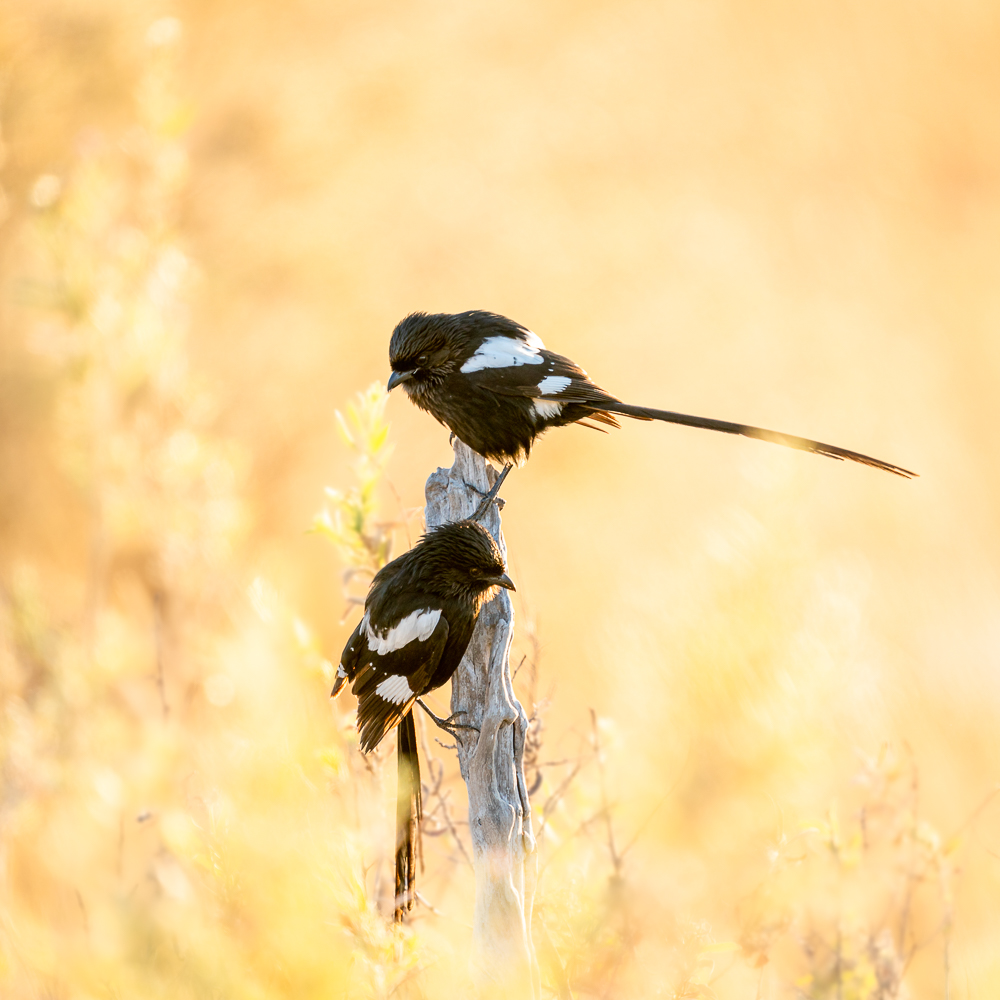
(616, 858)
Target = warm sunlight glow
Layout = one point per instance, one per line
(766, 685)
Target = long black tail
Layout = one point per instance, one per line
(409, 812)
(788, 440)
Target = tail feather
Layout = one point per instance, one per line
(788, 440)
(409, 813)
(339, 683)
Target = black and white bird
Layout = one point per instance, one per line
(419, 617)
(492, 382)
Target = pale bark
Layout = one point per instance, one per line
(504, 857)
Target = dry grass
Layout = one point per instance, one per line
(765, 684)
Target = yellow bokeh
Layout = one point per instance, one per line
(765, 684)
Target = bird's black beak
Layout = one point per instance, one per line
(506, 582)
(396, 378)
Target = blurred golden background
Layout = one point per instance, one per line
(784, 214)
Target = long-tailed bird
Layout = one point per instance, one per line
(492, 382)
(419, 616)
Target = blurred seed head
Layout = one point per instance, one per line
(45, 191)
(164, 32)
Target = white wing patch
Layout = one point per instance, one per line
(552, 384)
(416, 625)
(395, 689)
(545, 409)
(505, 352)
(533, 340)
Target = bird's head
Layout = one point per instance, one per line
(465, 562)
(421, 352)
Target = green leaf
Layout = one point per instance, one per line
(378, 439)
(342, 427)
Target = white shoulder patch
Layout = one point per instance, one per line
(395, 689)
(533, 340)
(552, 384)
(417, 625)
(504, 352)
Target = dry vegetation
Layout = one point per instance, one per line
(765, 686)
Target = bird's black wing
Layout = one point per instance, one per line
(351, 658)
(553, 378)
(387, 679)
(553, 384)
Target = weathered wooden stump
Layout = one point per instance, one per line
(503, 958)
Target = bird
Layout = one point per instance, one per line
(495, 386)
(419, 616)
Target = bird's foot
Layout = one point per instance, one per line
(484, 505)
(491, 497)
(449, 725)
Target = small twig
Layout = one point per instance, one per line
(558, 763)
(910, 877)
(435, 793)
(352, 571)
(551, 957)
(670, 791)
(616, 858)
(439, 913)
(352, 603)
(422, 899)
(553, 800)
(976, 813)
(582, 828)
(157, 597)
(517, 669)
(83, 911)
(404, 513)
(450, 823)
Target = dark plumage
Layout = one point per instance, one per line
(419, 616)
(495, 386)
